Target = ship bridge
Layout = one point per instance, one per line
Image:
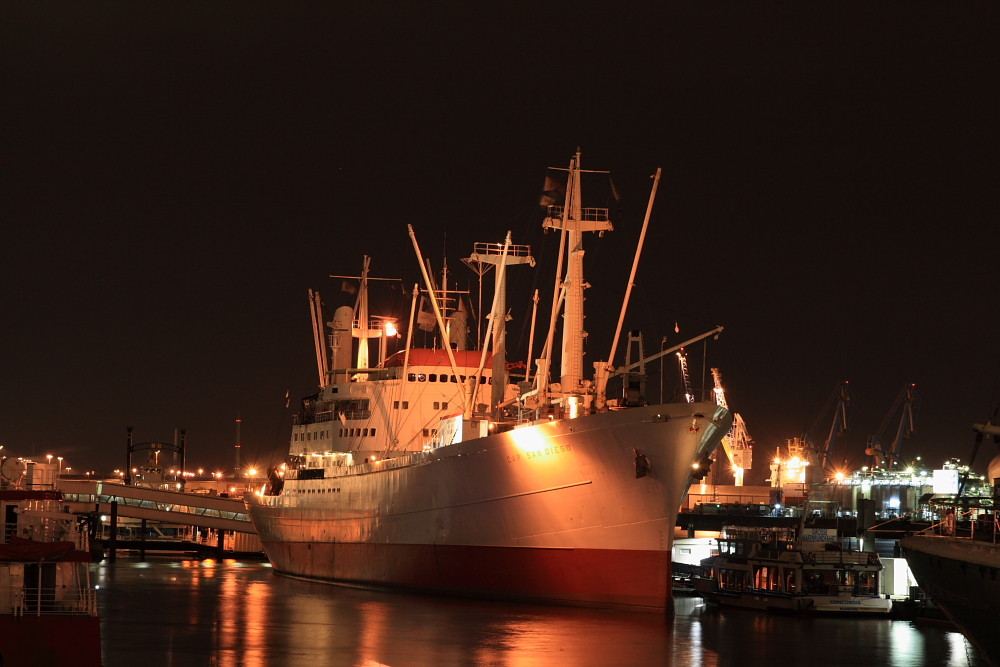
(170, 507)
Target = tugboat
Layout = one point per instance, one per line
(775, 569)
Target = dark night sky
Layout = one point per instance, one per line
(175, 176)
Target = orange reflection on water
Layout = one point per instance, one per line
(450, 632)
(241, 637)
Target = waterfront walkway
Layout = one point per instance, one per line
(170, 507)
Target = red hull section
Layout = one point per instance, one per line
(47, 641)
(638, 580)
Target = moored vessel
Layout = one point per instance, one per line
(430, 470)
(782, 569)
(48, 607)
(956, 562)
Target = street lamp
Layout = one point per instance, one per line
(60, 467)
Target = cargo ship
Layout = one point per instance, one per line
(432, 470)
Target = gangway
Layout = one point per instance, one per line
(171, 507)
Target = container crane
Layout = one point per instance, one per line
(737, 443)
(904, 405)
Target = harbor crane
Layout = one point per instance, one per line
(807, 453)
(682, 360)
(737, 443)
(837, 404)
(904, 406)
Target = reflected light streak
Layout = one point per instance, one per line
(960, 649)
(907, 643)
(243, 620)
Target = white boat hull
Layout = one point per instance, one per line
(554, 512)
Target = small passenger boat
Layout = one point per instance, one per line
(791, 570)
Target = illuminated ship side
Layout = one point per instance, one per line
(427, 471)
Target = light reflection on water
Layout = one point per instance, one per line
(235, 614)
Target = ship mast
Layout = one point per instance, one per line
(573, 219)
(364, 327)
(498, 256)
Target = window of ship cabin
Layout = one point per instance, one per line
(433, 377)
(427, 432)
(866, 583)
(406, 405)
(395, 405)
(411, 377)
(444, 406)
(373, 433)
(437, 406)
(365, 434)
(453, 379)
(766, 578)
(421, 377)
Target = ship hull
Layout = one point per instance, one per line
(576, 511)
(961, 577)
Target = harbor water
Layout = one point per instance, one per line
(229, 613)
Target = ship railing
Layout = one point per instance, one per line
(965, 525)
(48, 601)
(497, 249)
(841, 557)
(589, 214)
